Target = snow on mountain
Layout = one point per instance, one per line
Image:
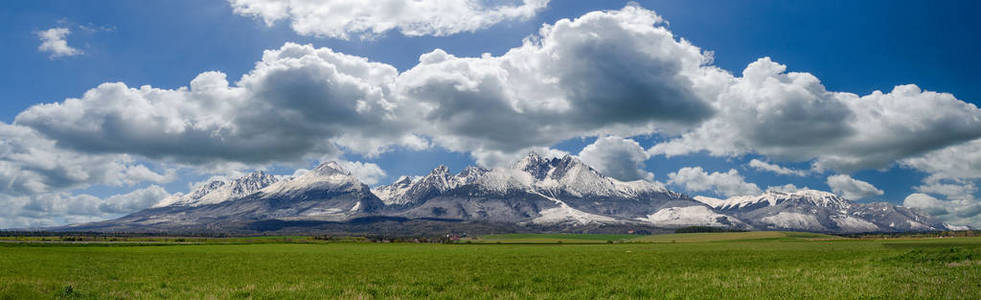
(220, 190)
(553, 191)
(711, 202)
(549, 176)
(392, 194)
(853, 224)
(569, 174)
(326, 176)
(812, 210)
(772, 198)
(579, 194)
(793, 220)
(469, 175)
(405, 189)
(691, 216)
(564, 214)
(957, 227)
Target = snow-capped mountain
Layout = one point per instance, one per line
(812, 210)
(327, 176)
(406, 192)
(393, 194)
(549, 192)
(542, 190)
(220, 190)
(773, 198)
(326, 193)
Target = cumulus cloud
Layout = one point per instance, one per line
(344, 18)
(786, 188)
(727, 184)
(36, 176)
(53, 42)
(617, 157)
(791, 116)
(133, 201)
(298, 102)
(369, 173)
(567, 81)
(963, 211)
(962, 161)
(852, 188)
(48, 209)
(302, 102)
(764, 166)
(32, 164)
(953, 175)
(955, 189)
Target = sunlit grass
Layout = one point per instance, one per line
(756, 266)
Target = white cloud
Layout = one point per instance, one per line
(617, 157)
(133, 201)
(33, 164)
(727, 184)
(369, 173)
(36, 176)
(50, 209)
(764, 166)
(299, 102)
(954, 173)
(344, 18)
(792, 117)
(952, 211)
(962, 161)
(53, 41)
(567, 81)
(786, 188)
(851, 188)
(960, 190)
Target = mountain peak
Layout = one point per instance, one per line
(441, 170)
(255, 176)
(471, 170)
(437, 178)
(534, 164)
(221, 189)
(403, 180)
(330, 168)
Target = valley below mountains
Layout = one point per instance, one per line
(535, 194)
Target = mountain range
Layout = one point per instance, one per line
(534, 194)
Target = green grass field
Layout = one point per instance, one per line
(699, 265)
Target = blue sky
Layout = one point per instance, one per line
(850, 46)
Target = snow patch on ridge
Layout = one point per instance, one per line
(791, 220)
(566, 214)
(772, 198)
(853, 224)
(221, 189)
(688, 216)
(713, 202)
(328, 176)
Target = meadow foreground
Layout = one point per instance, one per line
(711, 265)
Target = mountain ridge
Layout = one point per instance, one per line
(558, 192)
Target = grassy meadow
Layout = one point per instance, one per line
(747, 265)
